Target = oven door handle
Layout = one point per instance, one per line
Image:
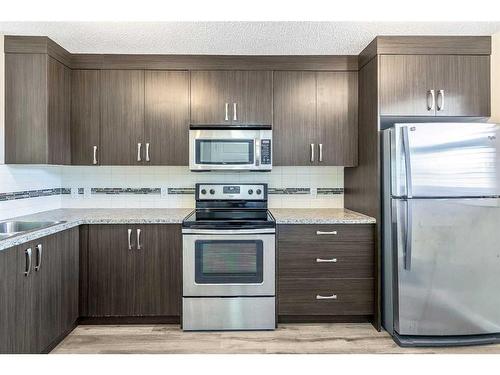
(229, 231)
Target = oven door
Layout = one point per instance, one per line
(228, 265)
(224, 149)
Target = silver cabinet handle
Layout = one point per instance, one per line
(440, 100)
(226, 118)
(139, 145)
(320, 232)
(130, 239)
(320, 260)
(38, 256)
(431, 100)
(319, 296)
(94, 161)
(147, 152)
(27, 269)
(139, 239)
(320, 146)
(312, 152)
(235, 112)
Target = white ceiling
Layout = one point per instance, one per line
(233, 38)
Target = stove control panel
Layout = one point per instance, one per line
(231, 191)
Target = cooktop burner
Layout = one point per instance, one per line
(230, 206)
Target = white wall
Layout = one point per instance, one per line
(495, 78)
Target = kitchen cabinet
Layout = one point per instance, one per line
(315, 118)
(231, 98)
(166, 122)
(122, 117)
(134, 270)
(85, 117)
(39, 292)
(37, 110)
(326, 271)
(435, 85)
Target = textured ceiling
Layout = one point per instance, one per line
(233, 38)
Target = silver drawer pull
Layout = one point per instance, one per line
(320, 260)
(27, 254)
(38, 256)
(320, 232)
(319, 296)
(129, 236)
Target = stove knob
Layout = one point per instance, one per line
(203, 191)
(258, 191)
(212, 191)
(250, 191)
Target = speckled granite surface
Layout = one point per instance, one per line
(319, 216)
(78, 216)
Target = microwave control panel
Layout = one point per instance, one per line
(265, 151)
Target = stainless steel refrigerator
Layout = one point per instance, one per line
(441, 233)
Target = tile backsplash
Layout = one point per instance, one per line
(29, 189)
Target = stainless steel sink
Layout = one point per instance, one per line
(14, 228)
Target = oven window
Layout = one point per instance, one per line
(228, 262)
(224, 151)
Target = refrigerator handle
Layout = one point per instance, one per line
(406, 150)
(408, 234)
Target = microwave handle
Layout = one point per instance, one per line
(257, 152)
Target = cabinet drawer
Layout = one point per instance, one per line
(337, 260)
(301, 296)
(325, 233)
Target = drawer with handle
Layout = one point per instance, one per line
(325, 296)
(312, 260)
(325, 232)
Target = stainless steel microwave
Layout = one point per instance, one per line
(230, 149)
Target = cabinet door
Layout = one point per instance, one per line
(166, 126)
(251, 98)
(13, 301)
(26, 132)
(337, 95)
(465, 81)
(85, 116)
(405, 82)
(111, 271)
(122, 116)
(209, 97)
(69, 279)
(159, 277)
(59, 91)
(294, 125)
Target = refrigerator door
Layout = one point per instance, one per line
(445, 160)
(448, 273)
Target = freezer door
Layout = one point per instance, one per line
(445, 160)
(450, 284)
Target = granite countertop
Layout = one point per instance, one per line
(319, 216)
(78, 216)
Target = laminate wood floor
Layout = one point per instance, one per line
(288, 338)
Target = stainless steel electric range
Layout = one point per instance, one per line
(229, 259)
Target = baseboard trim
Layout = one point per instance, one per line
(325, 318)
(56, 342)
(129, 320)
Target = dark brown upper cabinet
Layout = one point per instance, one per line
(231, 97)
(85, 117)
(315, 118)
(37, 110)
(435, 85)
(134, 270)
(166, 122)
(122, 117)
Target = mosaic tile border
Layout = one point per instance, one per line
(152, 191)
(33, 194)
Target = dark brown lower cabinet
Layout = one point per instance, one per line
(134, 270)
(41, 306)
(326, 272)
